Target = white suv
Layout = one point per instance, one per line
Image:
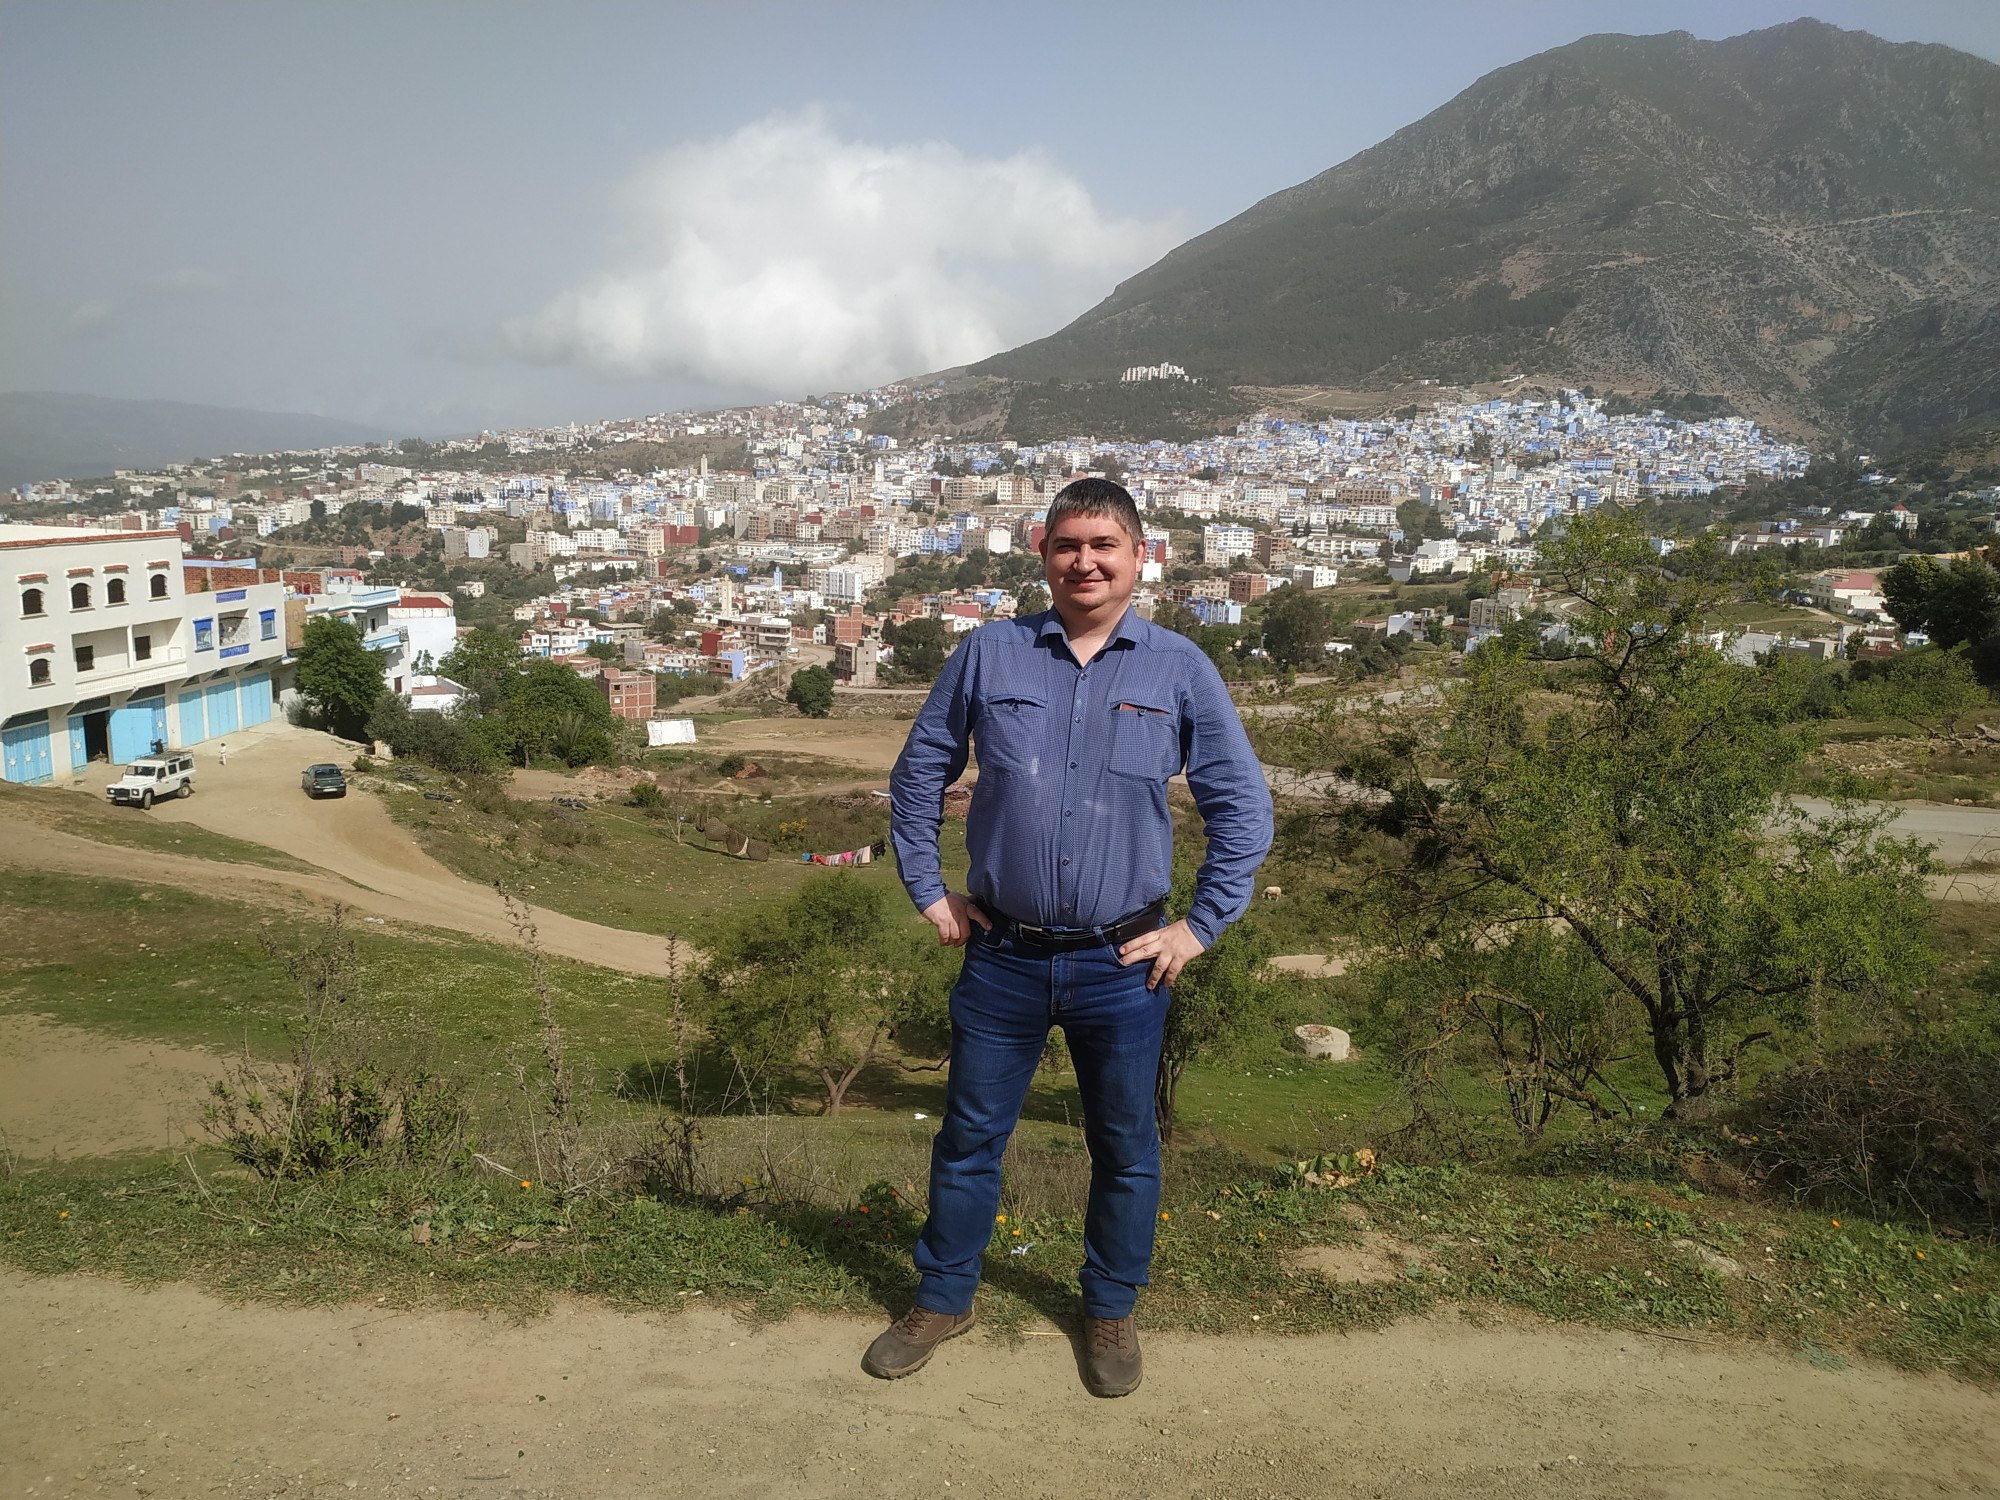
(147, 781)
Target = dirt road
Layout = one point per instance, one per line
(257, 797)
(170, 1392)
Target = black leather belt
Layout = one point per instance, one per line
(1070, 939)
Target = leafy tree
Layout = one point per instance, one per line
(1644, 817)
(823, 982)
(1930, 688)
(1955, 604)
(1420, 522)
(550, 711)
(486, 663)
(811, 692)
(1031, 598)
(1296, 628)
(1177, 618)
(452, 741)
(338, 675)
(603, 651)
(921, 646)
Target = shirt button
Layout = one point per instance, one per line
(1072, 765)
(1068, 812)
(1065, 859)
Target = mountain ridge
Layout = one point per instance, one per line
(1803, 219)
(58, 435)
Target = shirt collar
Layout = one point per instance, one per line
(1125, 632)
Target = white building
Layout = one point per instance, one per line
(104, 651)
(429, 623)
(1220, 544)
(1440, 555)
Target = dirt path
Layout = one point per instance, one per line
(257, 797)
(171, 1392)
(65, 1091)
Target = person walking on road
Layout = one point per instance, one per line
(222, 752)
(1080, 715)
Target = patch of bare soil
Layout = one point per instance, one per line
(1312, 965)
(172, 1392)
(872, 744)
(65, 1091)
(1378, 1257)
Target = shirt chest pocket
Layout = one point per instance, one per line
(1012, 735)
(1145, 740)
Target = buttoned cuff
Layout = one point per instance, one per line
(927, 895)
(1205, 925)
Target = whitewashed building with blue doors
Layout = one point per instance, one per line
(104, 652)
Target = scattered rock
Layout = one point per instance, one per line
(1329, 1042)
(1713, 1260)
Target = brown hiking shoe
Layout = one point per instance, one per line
(908, 1343)
(1111, 1356)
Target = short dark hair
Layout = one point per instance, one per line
(1097, 497)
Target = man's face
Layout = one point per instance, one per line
(1091, 565)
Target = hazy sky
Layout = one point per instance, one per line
(443, 216)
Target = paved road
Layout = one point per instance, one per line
(1960, 833)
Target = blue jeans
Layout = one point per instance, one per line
(1002, 1007)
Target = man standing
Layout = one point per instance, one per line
(1080, 715)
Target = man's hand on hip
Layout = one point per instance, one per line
(1168, 949)
(954, 917)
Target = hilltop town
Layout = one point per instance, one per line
(684, 552)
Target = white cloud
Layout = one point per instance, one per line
(786, 259)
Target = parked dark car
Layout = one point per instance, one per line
(323, 780)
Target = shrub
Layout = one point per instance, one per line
(332, 1106)
(1905, 1132)
(811, 692)
(730, 765)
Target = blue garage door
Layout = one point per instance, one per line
(256, 701)
(136, 725)
(221, 707)
(24, 750)
(194, 724)
(78, 756)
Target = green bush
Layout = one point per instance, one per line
(811, 692)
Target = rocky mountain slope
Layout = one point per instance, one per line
(1803, 219)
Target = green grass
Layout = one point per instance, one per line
(168, 965)
(1779, 619)
(618, 866)
(1582, 1231)
(1578, 1248)
(92, 818)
